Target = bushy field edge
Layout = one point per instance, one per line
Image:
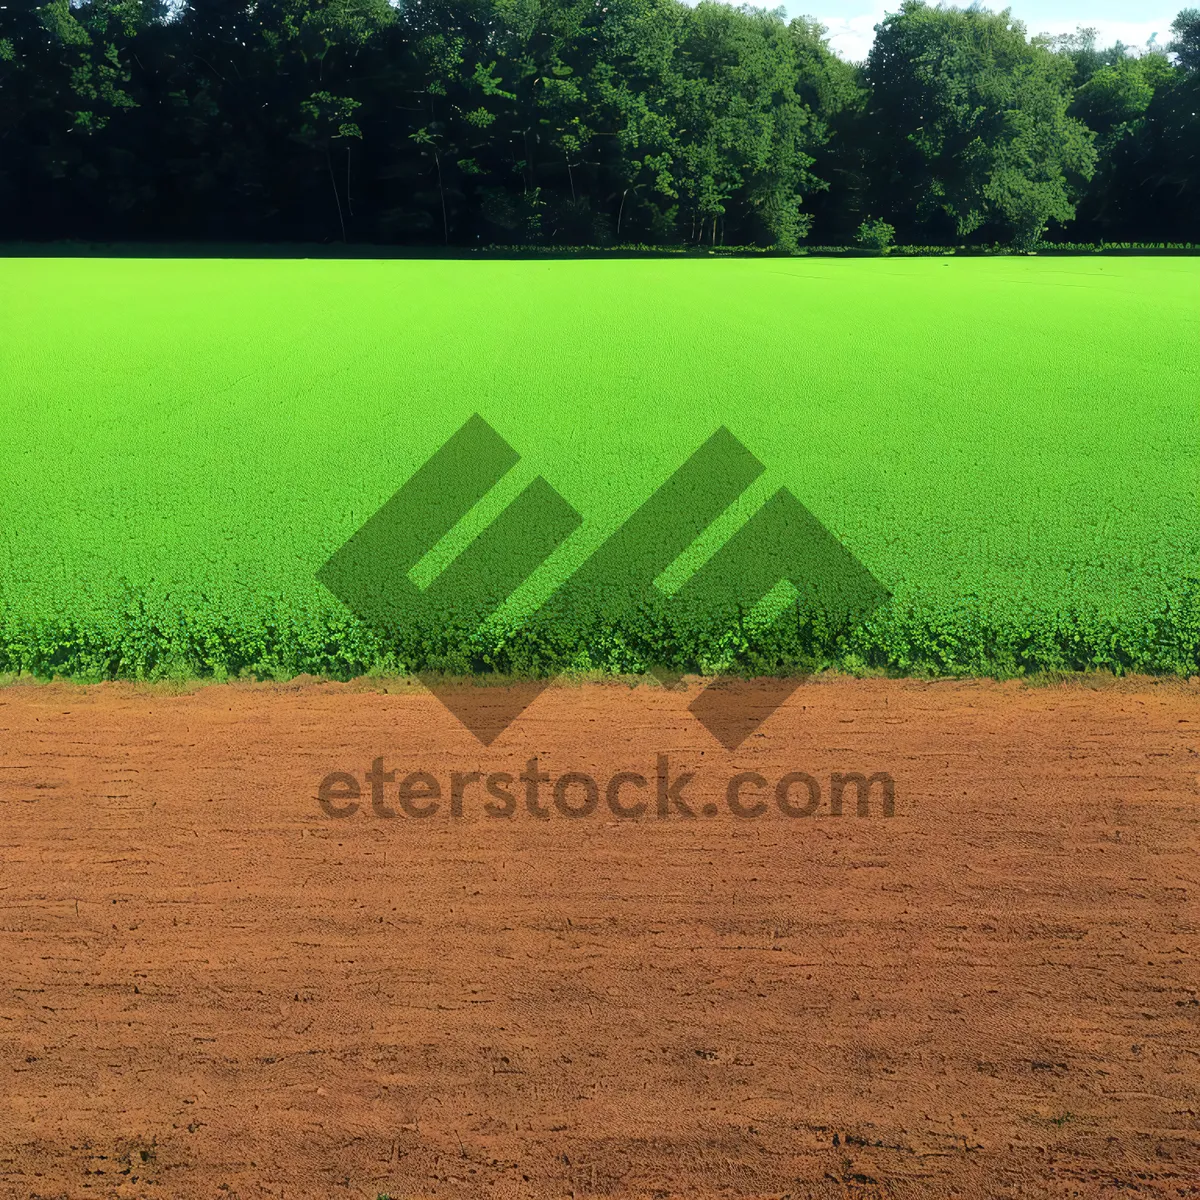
(277, 640)
(631, 250)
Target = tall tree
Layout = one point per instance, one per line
(461, 122)
(66, 88)
(1186, 42)
(972, 127)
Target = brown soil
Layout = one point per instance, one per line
(211, 988)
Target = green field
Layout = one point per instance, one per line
(1011, 445)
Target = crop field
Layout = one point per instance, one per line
(240, 964)
(1011, 447)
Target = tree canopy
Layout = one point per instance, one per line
(466, 122)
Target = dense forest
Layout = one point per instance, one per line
(572, 122)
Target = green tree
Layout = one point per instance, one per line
(1160, 169)
(635, 85)
(744, 132)
(1186, 43)
(971, 124)
(460, 121)
(67, 92)
(1139, 108)
(1114, 100)
(876, 235)
(1086, 57)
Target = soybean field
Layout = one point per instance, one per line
(1010, 446)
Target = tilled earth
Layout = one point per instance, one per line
(212, 987)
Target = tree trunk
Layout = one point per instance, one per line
(620, 212)
(336, 197)
(524, 168)
(437, 158)
(529, 159)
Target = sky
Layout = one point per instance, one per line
(851, 22)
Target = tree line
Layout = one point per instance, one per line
(582, 122)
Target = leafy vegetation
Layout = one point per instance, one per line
(1009, 444)
(876, 235)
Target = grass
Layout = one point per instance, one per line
(1009, 444)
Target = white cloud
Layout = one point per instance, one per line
(1132, 33)
(851, 37)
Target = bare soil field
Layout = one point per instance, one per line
(213, 986)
